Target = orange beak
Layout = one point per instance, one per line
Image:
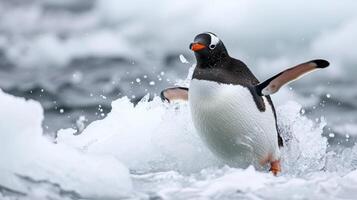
(197, 46)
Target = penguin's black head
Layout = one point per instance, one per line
(208, 48)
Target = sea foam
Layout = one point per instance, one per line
(33, 166)
(157, 136)
(158, 143)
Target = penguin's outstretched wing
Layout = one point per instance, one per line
(175, 93)
(273, 84)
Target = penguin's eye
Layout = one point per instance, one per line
(212, 46)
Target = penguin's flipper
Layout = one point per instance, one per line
(175, 93)
(273, 84)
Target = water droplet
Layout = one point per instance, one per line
(328, 95)
(302, 111)
(152, 83)
(138, 80)
(61, 110)
(183, 59)
(77, 77)
(80, 123)
(331, 135)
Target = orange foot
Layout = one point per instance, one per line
(275, 167)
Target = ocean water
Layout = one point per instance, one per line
(95, 128)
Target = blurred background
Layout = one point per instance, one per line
(77, 56)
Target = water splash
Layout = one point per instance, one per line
(167, 159)
(154, 136)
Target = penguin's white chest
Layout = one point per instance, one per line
(229, 122)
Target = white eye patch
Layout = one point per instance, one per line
(214, 41)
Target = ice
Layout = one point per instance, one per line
(30, 162)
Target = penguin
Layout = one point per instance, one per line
(231, 110)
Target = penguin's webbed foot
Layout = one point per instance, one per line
(275, 167)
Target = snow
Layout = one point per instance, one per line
(30, 161)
